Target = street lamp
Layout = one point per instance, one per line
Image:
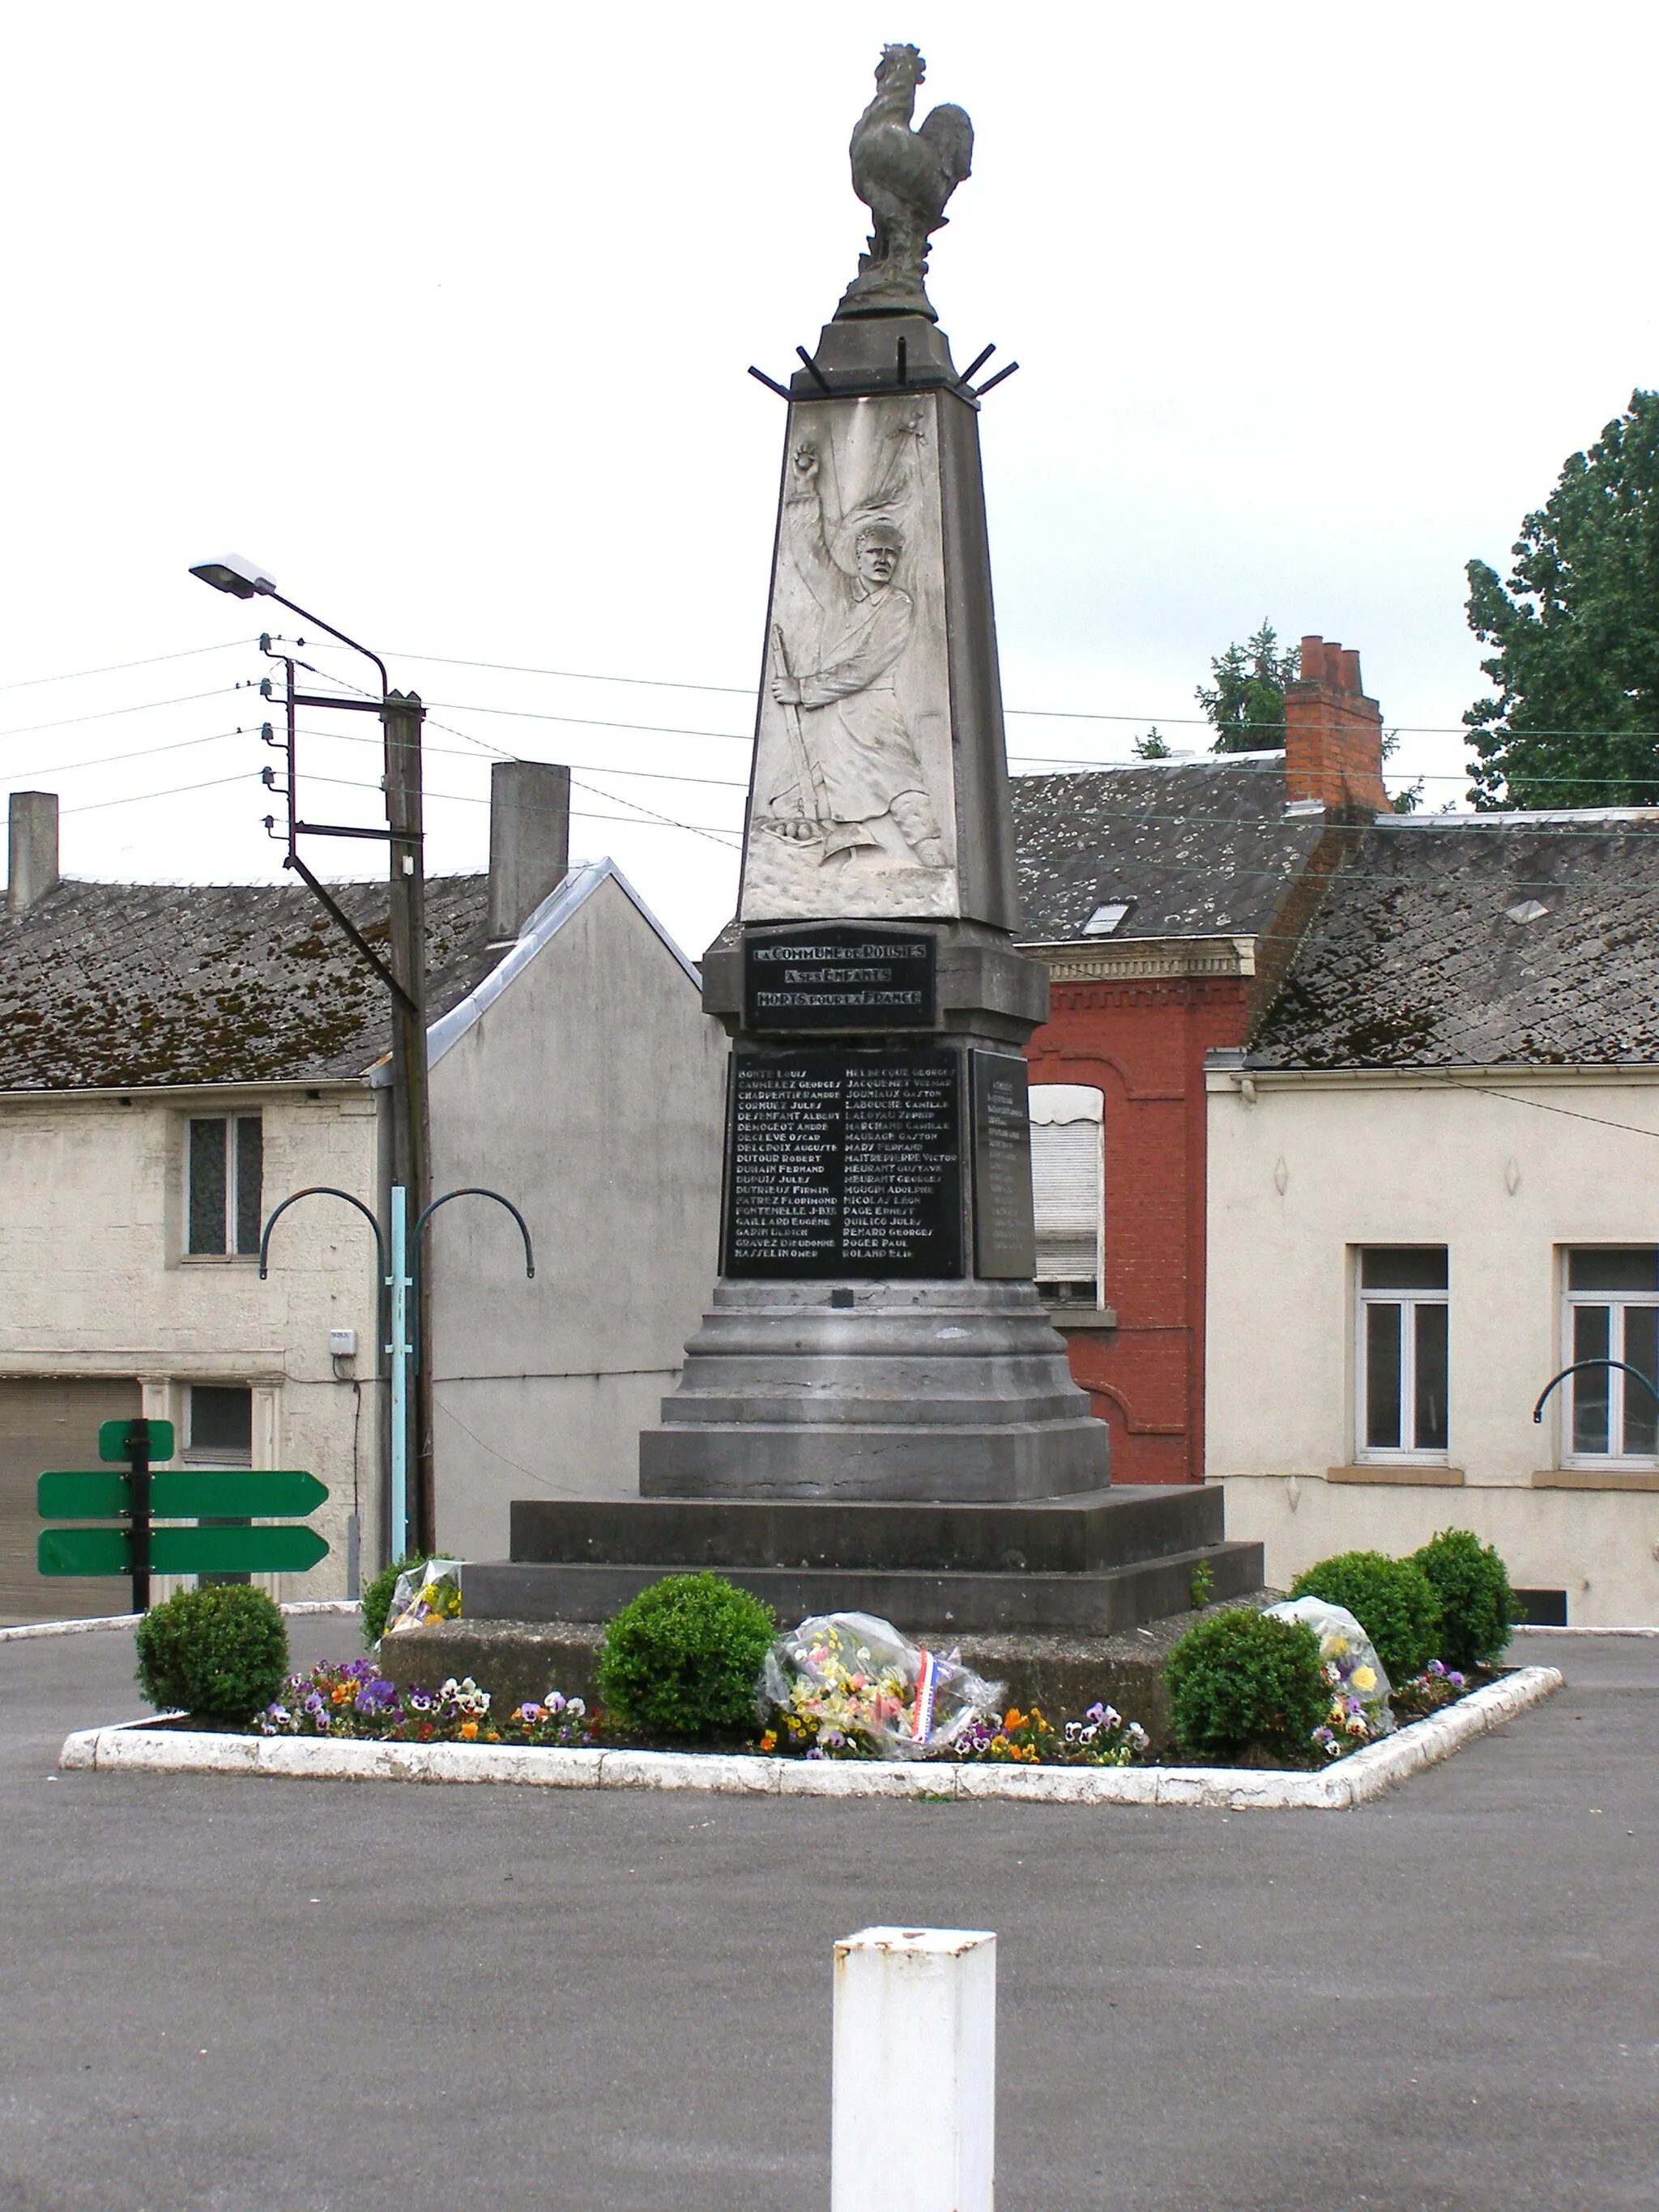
(236, 574)
(401, 714)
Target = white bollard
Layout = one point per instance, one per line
(913, 2095)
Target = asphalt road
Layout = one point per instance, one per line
(282, 1997)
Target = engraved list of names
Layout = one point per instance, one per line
(844, 1164)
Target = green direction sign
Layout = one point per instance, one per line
(113, 1440)
(182, 1551)
(259, 1494)
(235, 1551)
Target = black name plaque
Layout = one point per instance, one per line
(845, 1163)
(1005, 1228)
(839, 978)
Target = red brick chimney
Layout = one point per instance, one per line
(1333, 732)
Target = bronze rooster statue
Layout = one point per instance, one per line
(904, 177)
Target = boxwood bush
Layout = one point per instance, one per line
(220, 1654)
(682, 1659)
(1240, 1681)
(1391, 1599)
(1471, 1585)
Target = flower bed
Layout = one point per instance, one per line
(351, 1700)
(1339, 1786)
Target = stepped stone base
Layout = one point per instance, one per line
(912, 1391)
(1084, 1566)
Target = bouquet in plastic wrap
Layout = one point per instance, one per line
(430, 1591)
(1360, 1687)
(848, 1685)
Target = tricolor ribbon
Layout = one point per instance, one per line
(922, 1712)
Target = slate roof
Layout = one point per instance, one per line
(118, 986)
(1203, 847)
(1414, 959)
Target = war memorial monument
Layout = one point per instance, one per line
(875, 1412)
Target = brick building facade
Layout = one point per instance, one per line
(1167, 899)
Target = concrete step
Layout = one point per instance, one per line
(916, 1600)
(1088, 1533)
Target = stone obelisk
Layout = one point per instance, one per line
(875, 1333)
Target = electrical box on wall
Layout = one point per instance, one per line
(342, 1344)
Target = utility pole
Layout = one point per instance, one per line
(403, 716)
(403, 974)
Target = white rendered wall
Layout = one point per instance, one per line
(93, 1280)
(1505, 1170)
(591, 1093)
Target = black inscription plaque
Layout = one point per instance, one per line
(839, 978)
(1005, 1231)
(843, 1163)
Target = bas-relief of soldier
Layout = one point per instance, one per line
(854, 768)
(867, 789)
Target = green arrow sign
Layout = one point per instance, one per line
(259, 1494)
(235, 1551)
(256, 1493)
(182, 1551)
(113, 1440)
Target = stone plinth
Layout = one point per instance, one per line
(1086, 1566)
(920, 1390)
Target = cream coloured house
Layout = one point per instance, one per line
(1433, 1184)
(174, 1060)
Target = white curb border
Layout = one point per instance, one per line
(33, 1628)
(136, 1746)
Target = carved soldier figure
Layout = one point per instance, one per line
(868, 792)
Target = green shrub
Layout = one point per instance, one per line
(377, 1597)
(1239, 1681)
(1471, 1585)
(1391, 1600)
(220, 1653)
(682, 1659)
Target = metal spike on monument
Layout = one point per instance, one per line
(875, 1333)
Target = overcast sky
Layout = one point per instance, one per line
(443, 314)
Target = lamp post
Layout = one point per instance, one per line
(401, 715)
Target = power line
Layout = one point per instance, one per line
(139, 798)
(117, 667)
(109, 713)
(105, 760)
(580, 675)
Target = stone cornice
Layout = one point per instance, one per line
(1138, 959)
(1493, 1078)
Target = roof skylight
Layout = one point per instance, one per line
(1107, 918)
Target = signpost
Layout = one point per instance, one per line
(132, 1494)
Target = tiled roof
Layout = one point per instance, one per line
(1526, 939)
(106, 986)
(1204, 849)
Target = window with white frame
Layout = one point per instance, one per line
(224, 1178)
(1067, 1190)
(1612, 1313)
(1401, 1400)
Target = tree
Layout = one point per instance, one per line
(1153, 746)
(1409, 797)
(1247, 706)
(1576, 632)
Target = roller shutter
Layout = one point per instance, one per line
(49, 1424)
(1066, 1191)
